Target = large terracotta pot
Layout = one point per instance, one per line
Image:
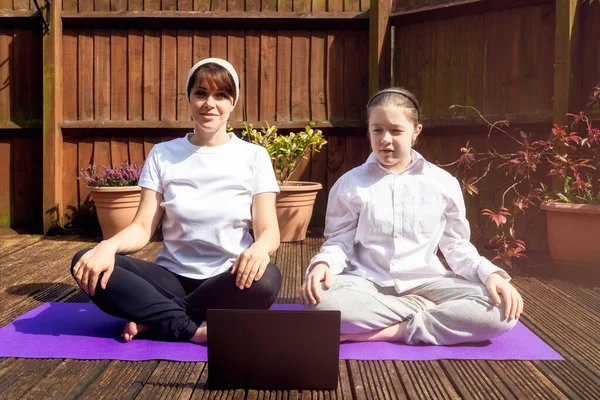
(294, 209)
(573, 233)
(116, 207)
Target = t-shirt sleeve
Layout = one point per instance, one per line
(264, 178)
(151, 177)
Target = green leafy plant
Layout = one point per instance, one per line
(570, 155)
(286, 151)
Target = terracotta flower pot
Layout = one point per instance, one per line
(294, 209)
(116, 207)
(573, 232)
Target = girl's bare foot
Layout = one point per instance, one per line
(131, 329)
(200, 337)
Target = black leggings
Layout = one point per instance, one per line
(173, 306)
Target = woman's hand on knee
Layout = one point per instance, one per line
(311, 288)
(513, 302)
(251, 265)
(96, 262)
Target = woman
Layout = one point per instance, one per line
(208, 189)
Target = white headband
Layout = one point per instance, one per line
(222, 63)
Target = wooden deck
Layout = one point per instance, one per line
(564, 312)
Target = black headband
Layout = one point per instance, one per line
(401, 92)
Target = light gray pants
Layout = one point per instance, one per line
(445, 311)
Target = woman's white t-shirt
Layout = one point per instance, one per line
(207, 199)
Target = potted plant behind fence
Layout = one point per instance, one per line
(296, 198)
(115, 194)
(571, 156)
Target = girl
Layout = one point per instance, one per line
(208, 189)
(386, 219)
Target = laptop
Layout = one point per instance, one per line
(273, 349)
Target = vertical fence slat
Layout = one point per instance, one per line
(169, 5)
(352, 5)
(85, 5)
(253, 87)
(119, 150)
(118, 75)
(85, 157)
(118, 5)
(363, 72)
(335, 75)
(69, 179)
(302, 5)
(284, 61)
(285, 5)
(22, 75)
(135, 5)
(427, 74)
(102, 151)
(252, 5)
(443, 85)
(202, 5)
(85, 81)
(218, 44)
(152, 5)
(70, 69)
(300, 76)
(6, 193)
(135, 69)
(151, 76)
(475, 58)
(235, 5)
(149, 142)
(269, 5)
(318, 173)
(336, 5)
(236, 51)
(318, 104)
(268, 76)
(319, 5)
(219, 5)
(100, 5)
(101, 74)
(168, 78)
(458, 63)
(336, 160)
(184, 63)
(21, 5)
(492, 90)
(68, 5)
(136, 150)
(352, 108)
(6, 46)
(201, 45)
(185, 5)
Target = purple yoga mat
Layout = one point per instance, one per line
(82, 331)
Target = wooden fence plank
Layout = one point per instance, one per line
(118, 5)
(379, 45)
(135, 69)
(6, 46)
(285, 5)
(428, 73)
(336, 159)
(318, 99)
(284, 61)
(151, 77)
(218, 5)
(135, 5)
(102, 151)
(352, 107)
(168, 75)
(152, 5)
(268, 76)
(335, 75)
(235, 55)
(168, 5)
(85, 80)
(475, 58)
(202, 5)
(302, 5)
(184, 63)
(336, 6)
(201, 45)
(118, 75)
(85, 157)
(253, 87)
(6, 182)
(300, 78)
(149, 142)
(185, 5)
(24, 54)
(85, 5)
(218, 44)
(69, 176)
(68, 5)
(102, 74)
(21, 5)
(101, 5)
(119, 150)
(70, 74)
(136, 150)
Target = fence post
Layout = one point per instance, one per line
(567, 60)
(53, 107)
(380, 45)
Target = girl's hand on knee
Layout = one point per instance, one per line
(513, 302)
(250, 265)
(311, 288)
(96, 262)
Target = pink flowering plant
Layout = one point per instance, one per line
(124, 174)
(568, 160)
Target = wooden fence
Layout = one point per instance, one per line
(114, 73)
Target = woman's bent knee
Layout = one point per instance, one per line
(270, 283)
(77, 256)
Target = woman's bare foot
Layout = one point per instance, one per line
(131, 329)
(200, 337)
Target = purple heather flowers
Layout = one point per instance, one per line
(100, 175)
